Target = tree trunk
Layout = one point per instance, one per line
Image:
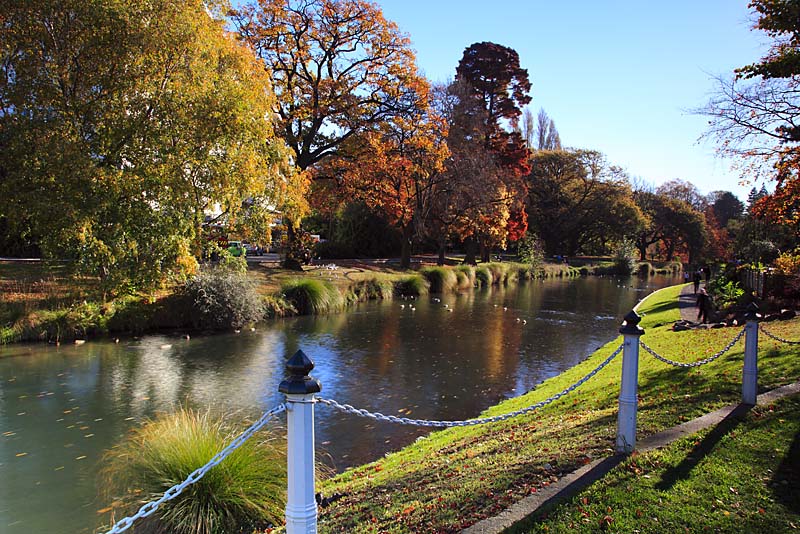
(485, 252)
(642, 251)
(290, 261)
(442, 250)
(470, 248)
(405, 249)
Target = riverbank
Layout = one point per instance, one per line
(455, 478)
(44, 303)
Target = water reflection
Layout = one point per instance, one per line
(60, 408)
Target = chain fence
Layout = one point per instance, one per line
(124, 524)
(776, 338)
(470, 422)
(698, 363)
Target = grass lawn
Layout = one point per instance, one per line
(454, 478)
(741, 476)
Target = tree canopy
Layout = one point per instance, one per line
(122, 123)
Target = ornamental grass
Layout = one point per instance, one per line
(310, 296)
(441, 279)
(413, 285)
(483, 276)
(247, 491)
(465, 276)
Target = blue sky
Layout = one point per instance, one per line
(618, 76)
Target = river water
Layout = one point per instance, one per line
(62, 407)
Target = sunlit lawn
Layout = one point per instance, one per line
(457, 477)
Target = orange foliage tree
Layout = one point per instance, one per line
(397, 168)
(339, 68)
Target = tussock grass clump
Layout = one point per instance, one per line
(483, 276)
(645, 269)
(465, 276)
(441, 279)
(499, 272)
(247, 491)
(412, 285)
(371, 289)
(309, 296)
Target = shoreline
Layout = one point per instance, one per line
(145, 314)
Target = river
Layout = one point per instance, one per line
(62, 407)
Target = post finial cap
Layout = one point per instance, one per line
(631, 324)
(299, 382)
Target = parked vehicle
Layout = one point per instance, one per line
(252, 250)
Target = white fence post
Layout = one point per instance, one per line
(750, 368)
(628, 394)
(301, 504)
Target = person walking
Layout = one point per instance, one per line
(704, 306)
(696, 279)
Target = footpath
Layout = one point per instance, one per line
(594, 471)
(687, 303)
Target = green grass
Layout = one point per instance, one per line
(483, 276)
(454, 478)
(413, 285)
(465, 276)
(441, 279)
(740, 476)
(245, 492)
(310, 296)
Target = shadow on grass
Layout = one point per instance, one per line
(586, 479)
(786, 482)
(703, 448)
(663, 307)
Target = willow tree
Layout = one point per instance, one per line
(123, 123)
(338, 68)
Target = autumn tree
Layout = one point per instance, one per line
(338, 68)
(755, 117)
(670, 224)
(576, 201)
(397, 168)
(122, 123)
(491, 90)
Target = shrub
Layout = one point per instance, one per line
(483, 276)
(276, 306)
(726, 292)
(788, 262)
(625, 257)
(530, 251)
(412, 285)
(245, 492)
(310, 296)
(441, 279)
(223, 299)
